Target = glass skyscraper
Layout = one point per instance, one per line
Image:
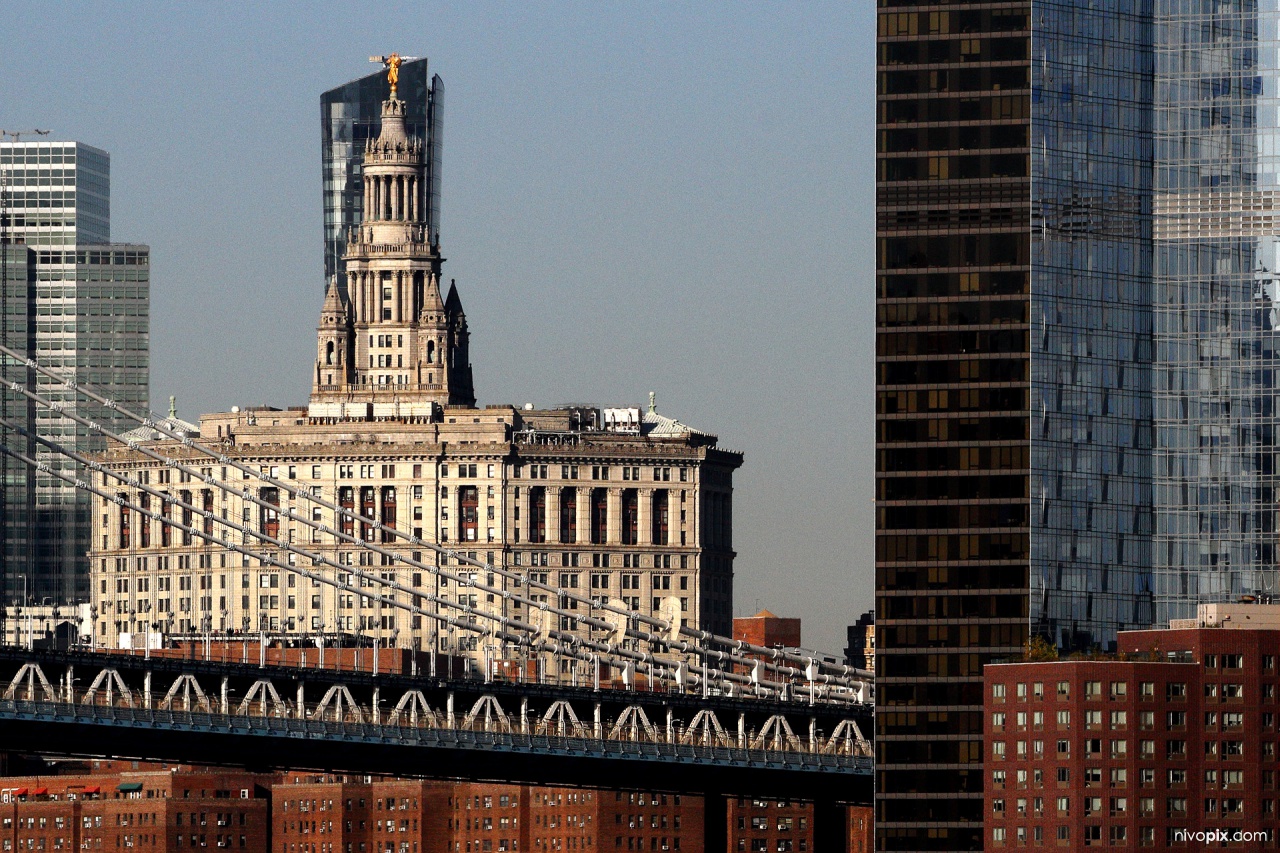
(350, 115)
(1076, 351)
(80, 305)
(1216, 235)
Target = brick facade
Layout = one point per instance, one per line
(1135, 753)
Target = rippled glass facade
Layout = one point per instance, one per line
(1215, 289)
(1091, 320)
(350, 115)
(1076, 350)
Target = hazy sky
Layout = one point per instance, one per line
(636, 197)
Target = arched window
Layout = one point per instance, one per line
(431, 352)
(328, 353)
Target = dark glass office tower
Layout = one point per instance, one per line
(350, 115)
(1014, 365)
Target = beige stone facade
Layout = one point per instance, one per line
(632, 515)
(605, 503)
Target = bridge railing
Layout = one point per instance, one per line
(181, 697)
(313, 728)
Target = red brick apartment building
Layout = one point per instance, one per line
(1178, 739)
(109, 809)
(132, 808)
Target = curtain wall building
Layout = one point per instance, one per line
(79, 304)
(1075, 351)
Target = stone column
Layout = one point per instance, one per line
(644, 516)
(553, 514)
(614, 535)
(397, 190)
(584, 516)
(398, 310)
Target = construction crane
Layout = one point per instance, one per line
(16, 135)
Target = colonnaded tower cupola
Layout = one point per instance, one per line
(390, 345)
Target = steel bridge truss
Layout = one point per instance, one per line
(89, 692)
(728, 666)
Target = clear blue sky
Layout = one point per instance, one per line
(636, 196)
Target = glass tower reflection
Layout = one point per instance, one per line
(350, 115)
(1215, 291)
(1091, 347)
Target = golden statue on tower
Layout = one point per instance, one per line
(392, 63)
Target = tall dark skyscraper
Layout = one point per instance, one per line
(1075, 352)
(351, 115)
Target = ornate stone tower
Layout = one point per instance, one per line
(389, 345)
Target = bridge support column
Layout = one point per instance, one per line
(377, 698)
(448, 705)
(829, 819)
(302, 704)
(146, 691)
(223, 697)
(715, 823)
(71, 685)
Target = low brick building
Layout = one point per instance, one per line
(128, 806)
(1178, 739)
(152, 808)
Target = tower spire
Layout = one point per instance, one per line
(393, 347)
